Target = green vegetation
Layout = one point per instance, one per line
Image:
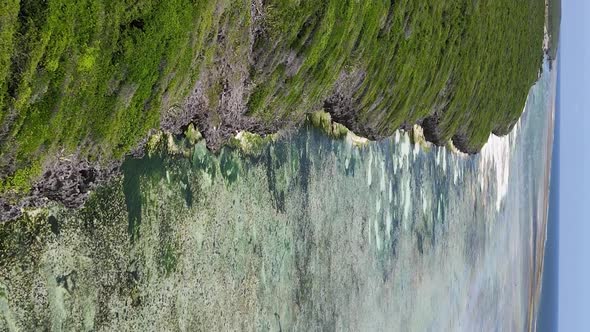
(250, 143)
(554, 25)
(323, 121)
(472, 60)
(92, 77)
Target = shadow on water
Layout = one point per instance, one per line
(133, 169)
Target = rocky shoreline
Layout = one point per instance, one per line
(70, 180)
(247, 74)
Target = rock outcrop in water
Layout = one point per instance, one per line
(66, 181)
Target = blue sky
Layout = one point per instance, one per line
(574, 214)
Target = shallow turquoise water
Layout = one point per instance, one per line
(311, 234)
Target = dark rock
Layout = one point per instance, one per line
(503, 131)
(341, 109)
(432, 131)
(70, 182)
(66, 181)
(461, 142)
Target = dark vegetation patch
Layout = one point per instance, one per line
(54, 224)
(91, 78)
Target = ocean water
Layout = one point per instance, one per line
(311, 234)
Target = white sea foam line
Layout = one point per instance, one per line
(378, 205)
(495, 157)
(455, 171)
(405, 148)
(388, 224)
(377, 237)
(390, 192)
(382, 183)
(407, 200)
(369, 169)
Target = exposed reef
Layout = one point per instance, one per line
(68, 181)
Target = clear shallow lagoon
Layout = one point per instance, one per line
(312, 234)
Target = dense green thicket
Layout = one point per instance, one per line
(475, 60)
(93, 76)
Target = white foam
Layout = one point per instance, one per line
(382, 184)
(377, 237)
(388, 224)
(494, 163)
(407, 200)
(369, 170)
(405, 147)
(390, 192)
(416, 150)
(455, 172)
